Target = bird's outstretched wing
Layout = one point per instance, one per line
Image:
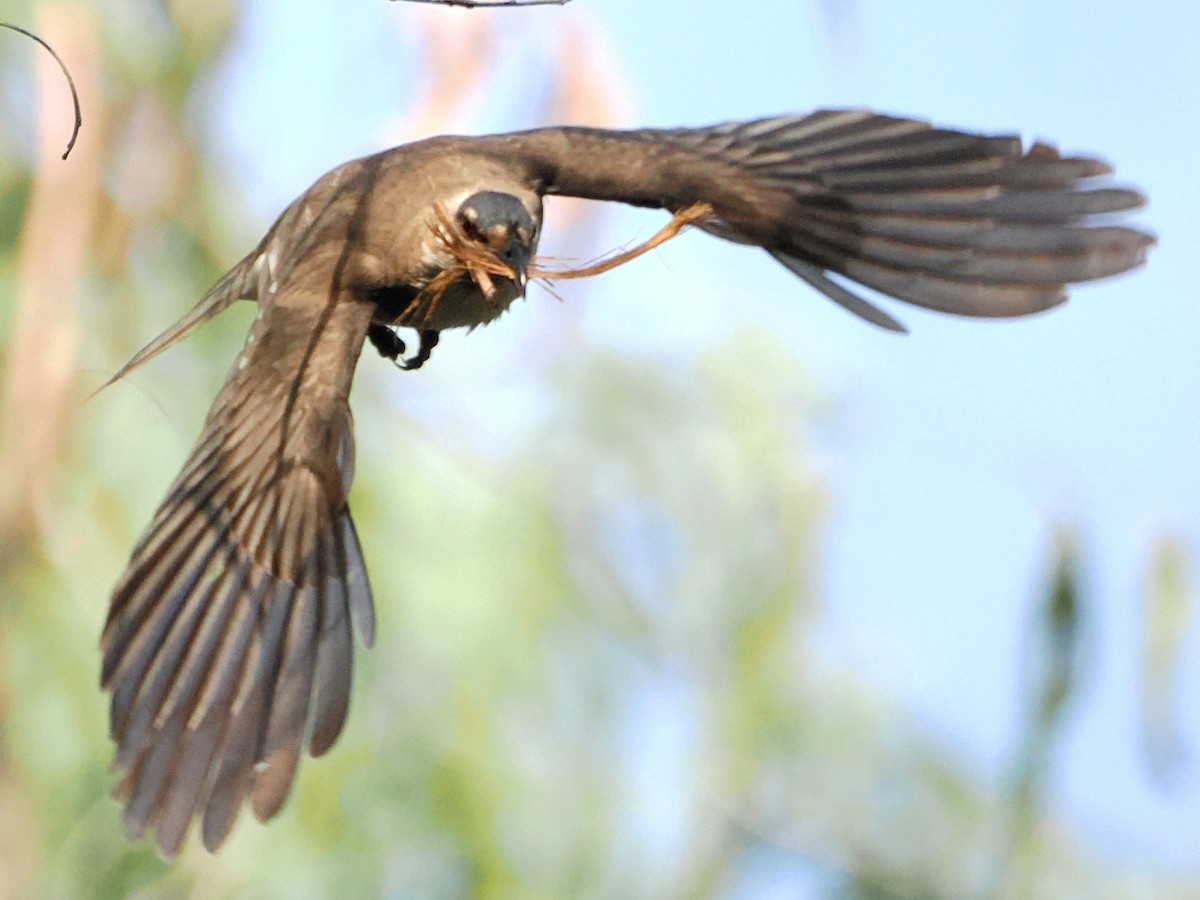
(228, 638)
(962, 223)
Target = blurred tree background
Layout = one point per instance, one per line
(597, 670)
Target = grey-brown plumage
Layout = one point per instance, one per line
(228, 642)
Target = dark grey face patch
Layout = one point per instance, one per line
(502, 222)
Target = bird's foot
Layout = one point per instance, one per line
(386, 341)
(390, 346)
(428, 340)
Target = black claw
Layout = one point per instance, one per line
(429, 340)
(389, 345)
(386, 341)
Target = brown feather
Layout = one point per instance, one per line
(968, 224)
(215, 635)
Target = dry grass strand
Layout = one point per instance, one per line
(480, 263)
(680, 220)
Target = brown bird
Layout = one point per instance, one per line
(228, 643)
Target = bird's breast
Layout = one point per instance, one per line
(463, 304)
(460, 305)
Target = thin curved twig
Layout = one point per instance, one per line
(70, 81)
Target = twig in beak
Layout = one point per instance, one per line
(679, 221)
(471, 259)
(481, 278)
(481, 264)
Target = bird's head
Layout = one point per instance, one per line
(501, 226)
(479, 262)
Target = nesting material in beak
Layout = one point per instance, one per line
(679, 221)
(471, 258)
(481, 277)
(481, 263)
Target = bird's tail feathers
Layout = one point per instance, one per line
(236, 283)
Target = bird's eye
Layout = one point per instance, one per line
(468, 222)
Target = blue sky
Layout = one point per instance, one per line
(956, 450)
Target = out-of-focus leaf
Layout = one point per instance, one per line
(1168, 607)
(1053, 672)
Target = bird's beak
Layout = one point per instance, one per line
(519, 257)
(511, 263)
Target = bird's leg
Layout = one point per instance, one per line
(385, 340)
(429, 340)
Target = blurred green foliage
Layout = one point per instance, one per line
(594, 674)
(1168, 612)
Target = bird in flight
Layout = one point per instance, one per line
(228, 645)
